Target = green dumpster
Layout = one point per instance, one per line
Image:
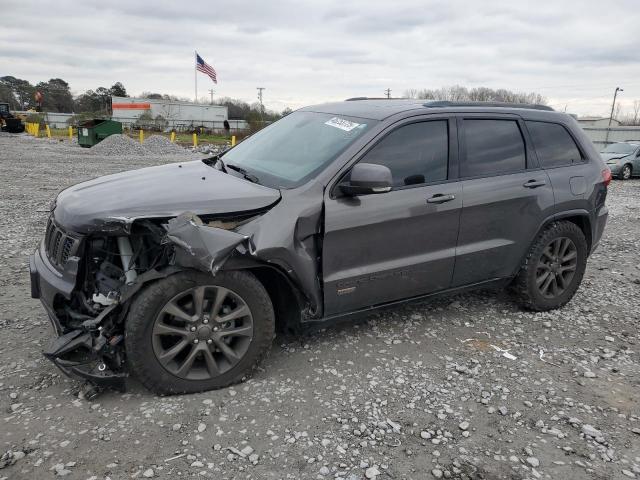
(92, 132)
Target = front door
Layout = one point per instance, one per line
(383, 247)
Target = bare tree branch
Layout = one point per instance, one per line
(458, 93)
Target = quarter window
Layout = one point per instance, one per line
(416, 153)
(553, 144)
(493, 147)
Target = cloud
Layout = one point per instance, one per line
(574, 52)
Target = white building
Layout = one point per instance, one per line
(178, 115)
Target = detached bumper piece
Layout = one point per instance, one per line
(78, 355)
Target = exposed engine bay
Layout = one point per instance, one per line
(111, 269)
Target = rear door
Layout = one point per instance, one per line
(566, 165)
(384, 247)
(505, 197)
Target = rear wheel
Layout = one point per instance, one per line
(193, 332)
(626, 172)
(553, 268)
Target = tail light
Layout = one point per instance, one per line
(606, 177)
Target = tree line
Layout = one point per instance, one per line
(457, 93)
(57, 97)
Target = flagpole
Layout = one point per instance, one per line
(195, 73)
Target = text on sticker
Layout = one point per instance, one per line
(342, 124)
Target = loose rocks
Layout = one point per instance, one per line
(159, 145)
(117, 145)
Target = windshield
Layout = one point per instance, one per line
(295, 148)
(619, 148)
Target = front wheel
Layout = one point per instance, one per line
(192, 332)
(553, 268)
(626, 172)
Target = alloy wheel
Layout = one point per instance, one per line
(202, 332)
(626, 172)
(556, 267)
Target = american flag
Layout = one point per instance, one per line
(205, 68)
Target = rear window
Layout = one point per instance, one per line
(493, 147)
(553, 144)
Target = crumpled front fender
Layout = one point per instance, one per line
(201, 246)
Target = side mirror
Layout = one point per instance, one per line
(368, 178)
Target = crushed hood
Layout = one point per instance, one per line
(114, 201)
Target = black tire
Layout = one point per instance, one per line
(525, 286)
(626, 172)
(152, 300)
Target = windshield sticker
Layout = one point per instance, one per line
(342, 124)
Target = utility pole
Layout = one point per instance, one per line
(211, 94)
(613, 105)
(388, 92)
(260, 89)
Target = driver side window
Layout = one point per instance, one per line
(416, 154)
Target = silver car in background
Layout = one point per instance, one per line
(623, 159)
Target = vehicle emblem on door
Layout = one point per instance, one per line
(346, 291)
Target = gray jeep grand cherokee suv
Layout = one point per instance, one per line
(180, 273)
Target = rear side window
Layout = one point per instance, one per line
(493, 147)
(553, 144)
(416, 153)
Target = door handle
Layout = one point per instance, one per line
(440, 198)
(534, 183)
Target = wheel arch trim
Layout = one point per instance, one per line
(580, 217)
(289, 303)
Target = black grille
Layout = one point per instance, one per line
(59, 245)
(66, 249)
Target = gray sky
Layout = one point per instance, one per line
(573, 52)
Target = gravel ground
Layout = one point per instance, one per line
(419, 391)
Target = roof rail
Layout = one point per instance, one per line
(446, 103)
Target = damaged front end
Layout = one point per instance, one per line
(90, 355)
(87, 282)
